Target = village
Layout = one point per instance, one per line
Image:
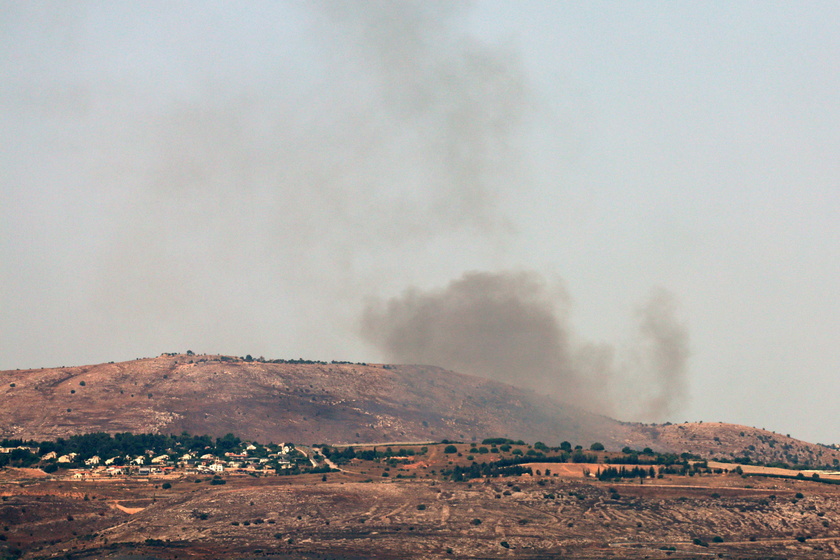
(250, 458)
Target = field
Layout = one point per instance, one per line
(415, 511)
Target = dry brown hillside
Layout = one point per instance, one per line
(733, 441)
(340, 403)
(299, 402)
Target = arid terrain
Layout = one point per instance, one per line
(708, 489)
(358, 513)
(340, 403)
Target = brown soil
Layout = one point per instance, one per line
(519, 517)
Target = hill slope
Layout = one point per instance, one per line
(300, 402)
(340, 403)
(735, 442)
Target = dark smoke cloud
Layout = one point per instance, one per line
(514, 327)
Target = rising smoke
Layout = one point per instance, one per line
(514, 327)
(251, 211)
(269, 204)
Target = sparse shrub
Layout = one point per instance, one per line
(505, 544)
(82, 383)
(475, 522)
(450, 449)
(700, 542)
(717, 539)
(421, 507)
(166, 486)
(799, 495)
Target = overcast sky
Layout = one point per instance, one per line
(256, 179)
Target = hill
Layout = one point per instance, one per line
(312, 402)
(289, 401)
(734, 442)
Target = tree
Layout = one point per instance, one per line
(597, 446)
(450, 449)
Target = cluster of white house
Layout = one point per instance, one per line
(149, 463)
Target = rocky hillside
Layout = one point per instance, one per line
(340, 403)
(299, 402)
(735, 442)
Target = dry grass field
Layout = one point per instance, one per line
(358, 513)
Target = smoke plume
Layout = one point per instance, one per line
(514, 327)
(664, 352)
(249, 210)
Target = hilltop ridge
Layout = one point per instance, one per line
(342, 403)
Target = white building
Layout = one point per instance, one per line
(95, 460)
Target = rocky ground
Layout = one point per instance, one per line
(348, 517)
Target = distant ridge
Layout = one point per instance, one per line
(340, 403)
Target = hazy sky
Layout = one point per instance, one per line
(258, 178)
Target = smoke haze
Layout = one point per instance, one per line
(240, 210)
(190, 175)
(514, 327)
(249, 211)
